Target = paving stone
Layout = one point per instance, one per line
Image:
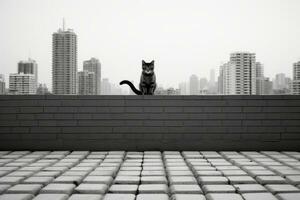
(212, 180)
(270, 179)
(122, 188)
(218, 189)
(58, 188)
(295, 180)
(255, 173)
(152, 173)
(208, 173)
(11, 180)
(51, 197)
(187, 197)
(152, 197)
(127, 180)
(25, 174)
(282, 188)
(119, 197)
(259, 196)
(185, 189)
(38, 180)
(88, 188)
(241, 179)
(182, 180)
(288, 196)
(86, 197)
(53, 174)
(102, 173)
(129, 173)
(233, 173)
(250, 188)
(154, 180)
(153, 188)
(223, 196)
(25, 189)
(16, 197)
(98, 179)
(68, 179)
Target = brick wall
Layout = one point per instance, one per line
(150, 122)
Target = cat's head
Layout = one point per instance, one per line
(148, 68)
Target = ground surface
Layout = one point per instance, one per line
(149, 175)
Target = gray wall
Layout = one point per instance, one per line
(150, 122)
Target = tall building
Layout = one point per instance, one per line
(194, 85)
(86, 83)
(105, 87)
(282, 84)
(268, 86)
(22, 83)
(183, 88)
(296, 78)
(64, 62)
(212, 85)
(260, 79)
(29, 67)
(227, 79)
(42, 89)
(2, 84)
(245, 72)
(93, 65)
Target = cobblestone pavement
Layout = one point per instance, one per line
(149, 175)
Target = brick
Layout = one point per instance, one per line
(119, 196)
(55, 188)
(51, 197)
(187, 197)
(259, 196)
(3, 188)
(87, 188)
(152, 196)
(185, 189)
(282, 188)
(25, 189)
(218, 189)
(153, 188)
(16, 197)
(223, 196)
(249, 188)
(86, 197)
(123, 188)
(288, 196)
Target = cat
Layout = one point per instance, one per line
(147, 82)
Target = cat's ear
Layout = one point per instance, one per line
(143, 62)
(152, 62)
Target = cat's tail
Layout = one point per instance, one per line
(136, 91)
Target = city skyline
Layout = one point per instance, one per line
(197, 40)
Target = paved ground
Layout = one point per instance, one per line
(149, 175)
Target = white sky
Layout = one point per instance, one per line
(184, 37)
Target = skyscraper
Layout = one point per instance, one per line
(296, 78)
(260, 79)
(227, 79)
(64, 62)
(282, 84)
(194, 85)
(28, 67)
(105, 87)
(245, 72)
(93, 65)
(86, 83)
(2, 84)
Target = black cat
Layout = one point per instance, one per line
(147, 82)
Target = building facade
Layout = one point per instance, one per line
(296, 78)
(29, 67)
(64, 62)
(260, 79)
(2, 84)
(194, 85)
(227, 79)
(87, 83)
(93, 65)
(245, 72)
(22, 83)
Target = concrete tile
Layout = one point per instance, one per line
(212, 180)
(250, 188)
(295, 180)
(98, 179)
(153, 173)
(25, 189)
(154, 180)
(270, 180)
(187, 197)
(208, 173)
(223, 196)
(218, 189)
(185, 189)
(86, 197)
(152, 197)
(282, 188)
(88, 188)
(51, 197)
(38, 180)
(119, 197)
(68, 179)
(288, 196)
(241, 179)
(122, 188)
(58, 188)
(259, 196)
(16, 197)
(127, 180)
(4, 187)
(153, 188)
(182, 180)
(11, 180)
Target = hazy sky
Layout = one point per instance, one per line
(184, 37)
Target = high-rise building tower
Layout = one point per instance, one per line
(86, 83)
(296, 78)
(106, 87)
(2, 84)
(93, 65)
(245, 72)
(28, 67)
(194, 85)
(260, 78)
(227, 79)
(64, 62)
